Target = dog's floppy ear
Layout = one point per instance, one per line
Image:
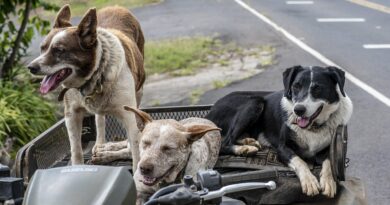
(145, 117)
(63, 18)
(86, 30)
(288, 77)
(338, 76)
(196, 132)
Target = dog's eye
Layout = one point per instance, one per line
(296, 86)
(165, 148)
(316, 88)
(58, 49)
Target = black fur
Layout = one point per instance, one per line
(237, 114)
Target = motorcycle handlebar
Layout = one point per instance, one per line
(271, 185)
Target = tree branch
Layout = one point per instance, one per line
(9, 62)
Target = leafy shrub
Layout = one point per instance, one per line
(23, 113)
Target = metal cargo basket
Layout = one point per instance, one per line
(52, 149)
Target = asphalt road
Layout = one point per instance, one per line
(340, 42)
(343, 44)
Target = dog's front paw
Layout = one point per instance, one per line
(310, 185)
(328, 186)
(104, 157)
(96, 148)
(245, 150)
(109, 146)
(249, 141)
(100, 157)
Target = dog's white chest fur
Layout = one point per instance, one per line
(312, 141)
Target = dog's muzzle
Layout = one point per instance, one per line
(304, 122)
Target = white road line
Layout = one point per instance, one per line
(370, 90)
(300, 2)
(376, 46)
(340, 20)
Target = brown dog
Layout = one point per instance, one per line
(100, 61)
(170, 149)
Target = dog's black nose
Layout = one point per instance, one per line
(34, 69)
(299, 110)
(146, 169)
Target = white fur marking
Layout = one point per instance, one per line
(311, 78)
(164, 129)
(57, 38)
(309, 182)
(328, 185)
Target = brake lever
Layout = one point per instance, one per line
(271, 185)
(182, 196)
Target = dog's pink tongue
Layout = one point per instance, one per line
(47, 83)
(149, 180)
(302, 121)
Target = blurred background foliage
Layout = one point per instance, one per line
(23, 112)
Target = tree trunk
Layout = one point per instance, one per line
(10, 61)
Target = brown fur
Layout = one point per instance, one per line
(122, 21)
(126, 27)
(134, 58)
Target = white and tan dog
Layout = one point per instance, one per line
(100, 65)
(170, 149)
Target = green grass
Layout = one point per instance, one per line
(267, 56)
(179, 56)
(195, 95)
(79, 7)
(221, 83)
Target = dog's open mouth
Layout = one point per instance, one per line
(150, 181)
(304, 122)
(51, 82)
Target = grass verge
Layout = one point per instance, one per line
(195, 95)
(221, 83)
(79, 7)
(180, 56)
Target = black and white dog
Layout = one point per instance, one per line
(298, 122)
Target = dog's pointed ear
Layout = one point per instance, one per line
(338, 76)
(195, 132)
(63, 18)
(288, 77)
(87, 29)
(145, 117)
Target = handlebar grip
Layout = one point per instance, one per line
(252, 176)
